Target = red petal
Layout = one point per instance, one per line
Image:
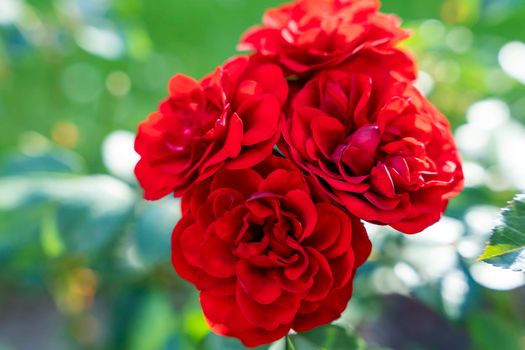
(323, 279)
(333, 232)
(232, 144)
(216, 256)
(225, 318)
(269, 317)
(244, 181)
(300, 203)
(260, 284)
(328, 133)
(261, 119)
(325, 312)
(271, 79)
(182, 85)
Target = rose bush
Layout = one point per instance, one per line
(309, 35)
(266, 252)
(231, 119)
(375, 145)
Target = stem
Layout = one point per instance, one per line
(288, 343)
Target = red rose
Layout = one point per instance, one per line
(308, 35)
(375, 145)
(265, 253)
(231, 119)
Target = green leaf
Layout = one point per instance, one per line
(54, 161)
(489, 331)
(50, 236)
(506, 247)
(155, 325)
(216, 342)
(77, 214)
(194, 324)
(329, 337)
(152, 234)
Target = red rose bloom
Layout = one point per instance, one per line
(308, 35)
(266, 254)
(231, 119)
(375, 145)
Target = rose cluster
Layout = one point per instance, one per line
(279, 154)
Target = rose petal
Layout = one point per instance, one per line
(269, 317)
(260, 284)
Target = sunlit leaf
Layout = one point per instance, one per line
(155, 324)
(50, 236)
(506, 247)
(194, 323)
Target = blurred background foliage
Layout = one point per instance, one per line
(85, 261)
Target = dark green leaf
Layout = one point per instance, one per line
(329, 337)
(506, 247)
(490, 332)
(216, 342)
(18, 229)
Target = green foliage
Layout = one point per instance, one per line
(507, 245)
(327, 337)
(56, 161)
(154, 325)
(324, 338)
(216, 342)
(153, 229)
(88, 211)
(491, 332)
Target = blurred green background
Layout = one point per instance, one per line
(84, 261)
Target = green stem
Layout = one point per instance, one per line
(289, 345)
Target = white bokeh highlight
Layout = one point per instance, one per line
(10, 11)
(102, 42)
(119, 155)
(511, 58)
(496, 278)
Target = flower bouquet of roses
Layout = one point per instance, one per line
(279, 155)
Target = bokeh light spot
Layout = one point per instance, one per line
(10, 11)
(100, 42)
(119, 155)
(488, 114)
(511, 58)
(496, 278)
(424, 83)
(459, 39)
(65, 134)
(81, 82)
(118, 83)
